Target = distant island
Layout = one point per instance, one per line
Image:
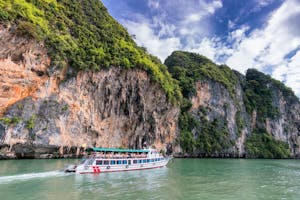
(72, 77)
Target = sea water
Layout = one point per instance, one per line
(211, 179)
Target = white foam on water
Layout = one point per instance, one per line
(24, 177)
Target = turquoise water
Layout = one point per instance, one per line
(182, 179)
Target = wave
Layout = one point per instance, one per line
(24, 177)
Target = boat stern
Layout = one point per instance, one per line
(71, 168)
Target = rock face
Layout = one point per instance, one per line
(286, 126)
(243, 109)
(44, 117)
(23, 65)
(215, 98)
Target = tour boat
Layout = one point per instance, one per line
(114, 160)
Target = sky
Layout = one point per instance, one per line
(261, 34)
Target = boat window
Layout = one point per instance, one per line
(98, 162)
(152, 160)
(119, 162)
(148, 160)
(140, 161)
(158, 159)
(155, 159)
(105, 162)
(134, 161)
(112, 162)
(124, 162)
(144, 161)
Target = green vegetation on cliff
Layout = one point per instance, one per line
(10, 121)
(188, 68)
(263, 145)
(186, 139)
(81, 34)
(258, 94)
(211, 137)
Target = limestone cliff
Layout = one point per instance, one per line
(42, 116)
(231, 115)
(213, 101)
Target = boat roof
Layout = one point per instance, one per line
(118, 150)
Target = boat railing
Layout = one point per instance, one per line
(112, 155)
(118, 156)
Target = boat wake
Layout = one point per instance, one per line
(24, 177)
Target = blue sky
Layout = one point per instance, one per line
(262, 34)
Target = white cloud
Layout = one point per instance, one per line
(237, 36)
(212, 6)
(161, 47)
(161, 36)
(207, 47)
(153, 4)
(165, 29)
(278, 72)
(231, 24)
(194, 17)
(263, 3)
(292, 73)
(204, 10)
(212, 48)
(269, 46)
(260, 4)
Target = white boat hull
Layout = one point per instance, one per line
(85, 169)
